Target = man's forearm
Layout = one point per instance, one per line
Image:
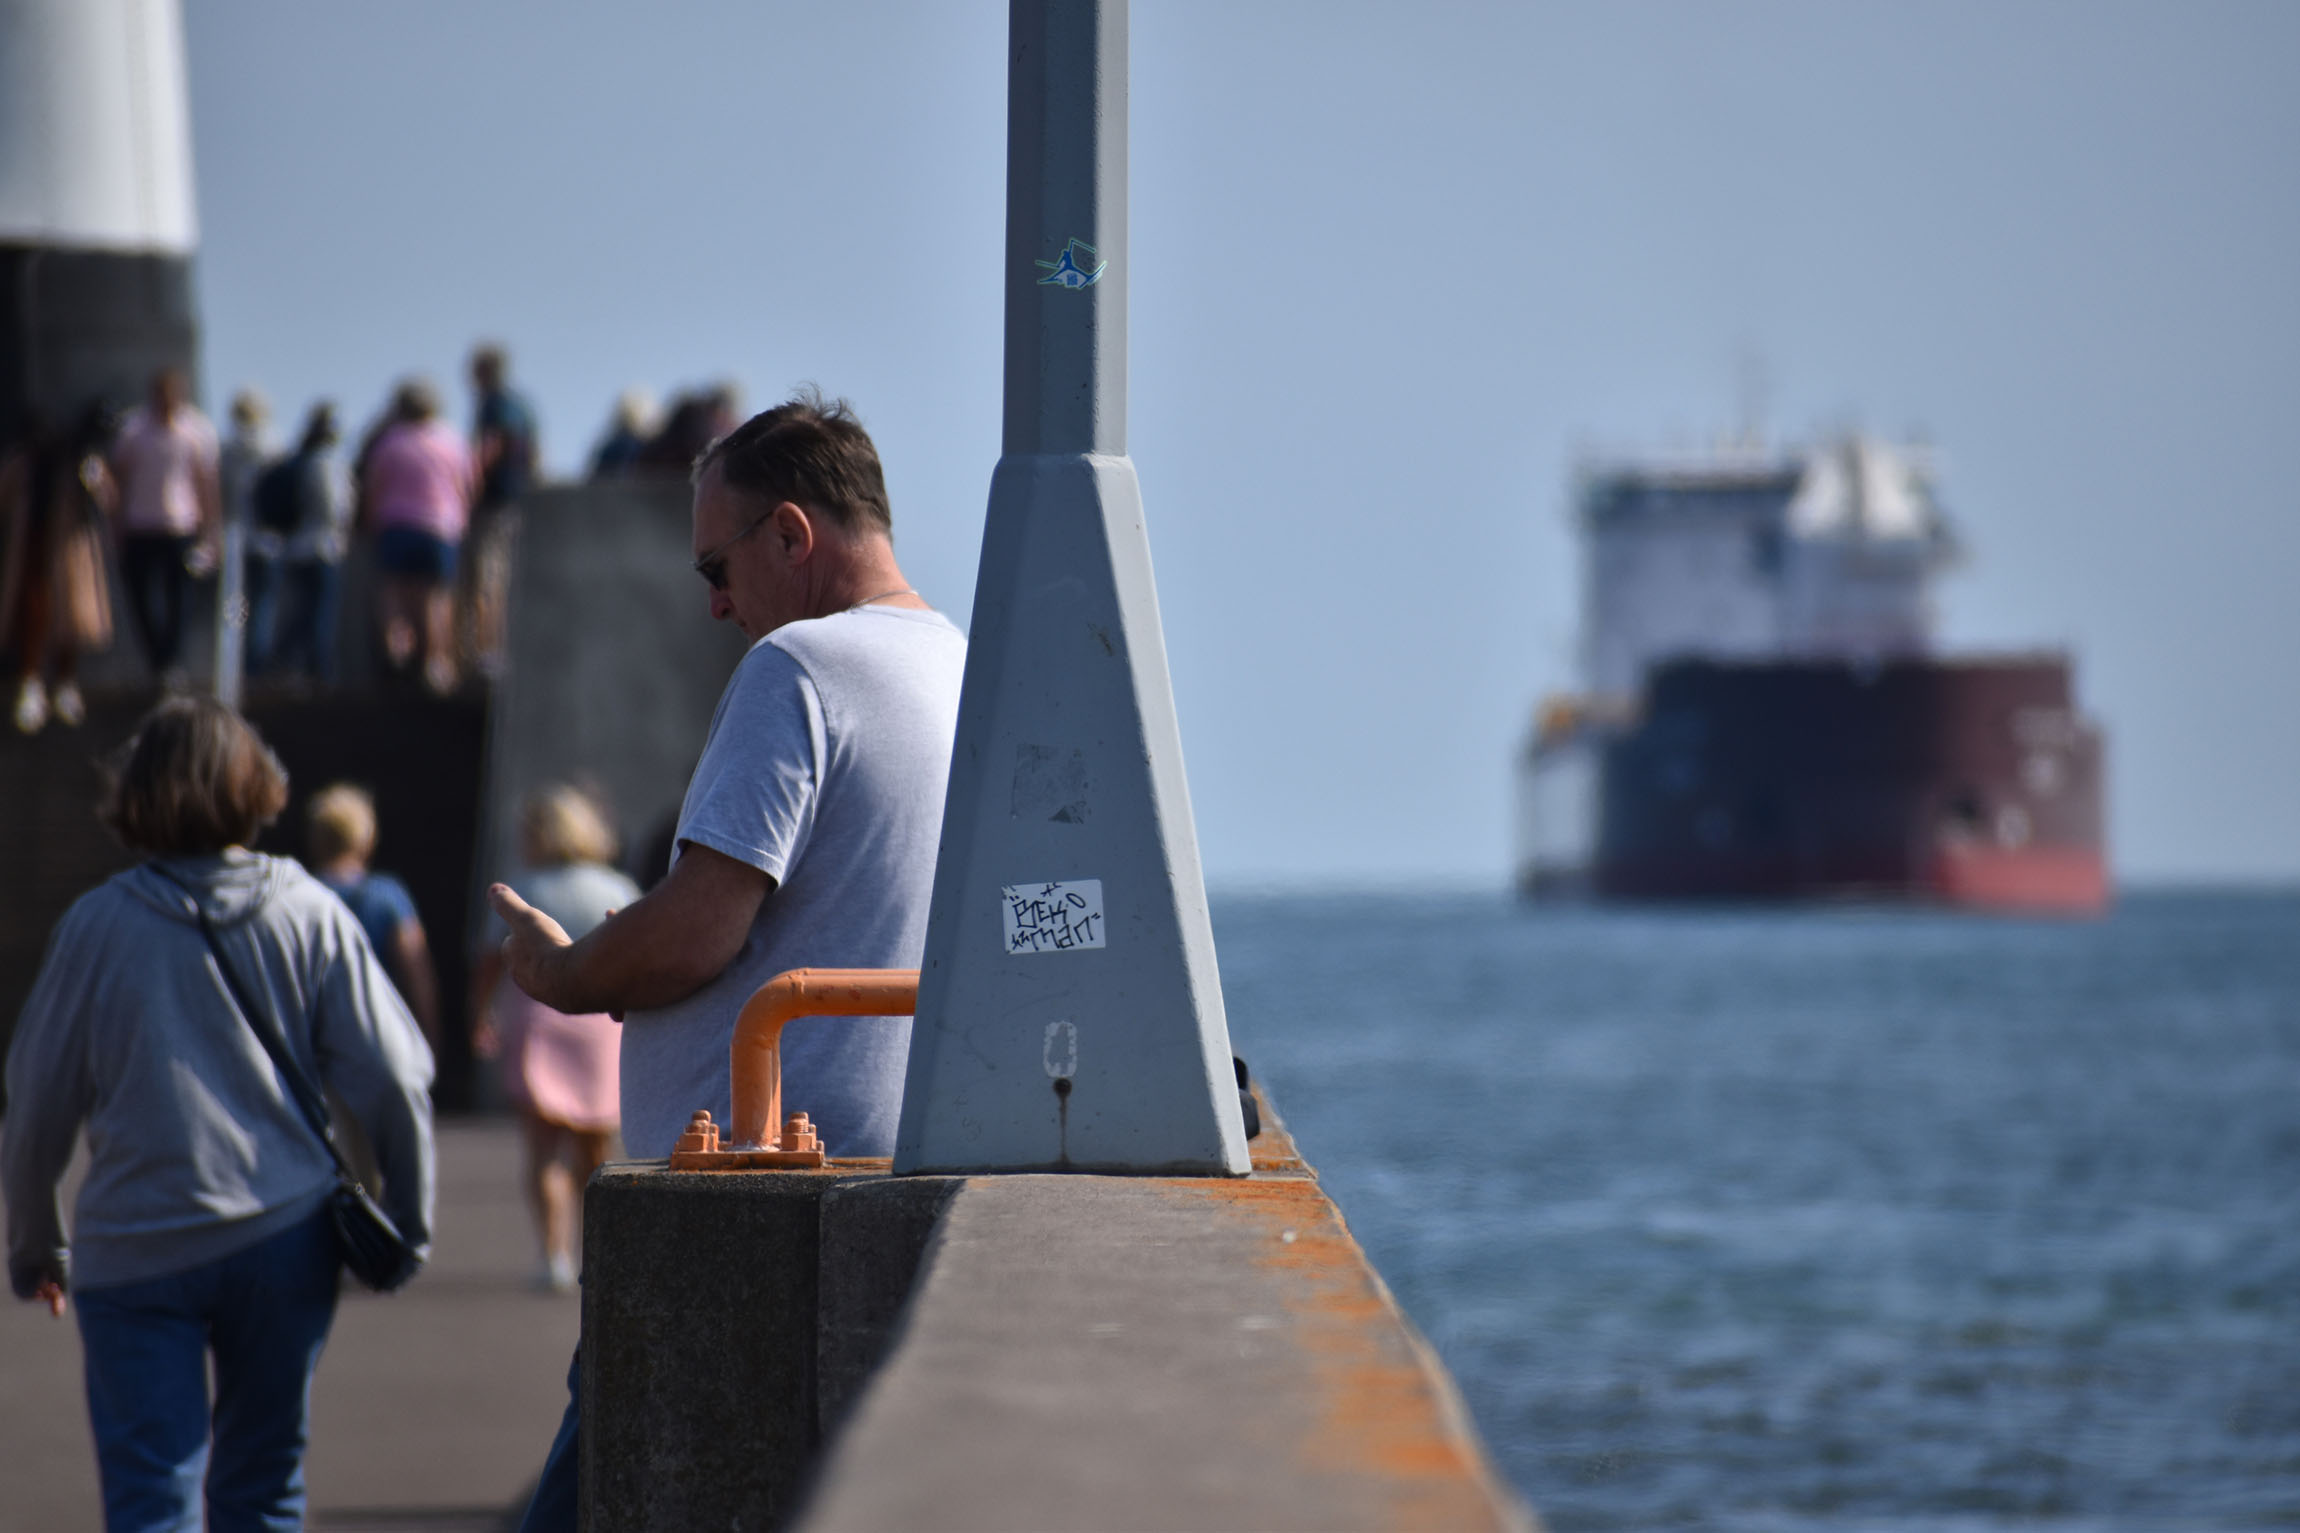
(617, 971)
(568, 979)
(664, 948)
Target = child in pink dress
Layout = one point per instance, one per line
(559, 1071)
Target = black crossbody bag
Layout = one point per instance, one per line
(370, 1244)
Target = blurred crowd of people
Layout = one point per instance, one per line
(158, 496)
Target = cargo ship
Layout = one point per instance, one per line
(1763, 715)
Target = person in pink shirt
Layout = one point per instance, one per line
(170, 500)
(416, 484)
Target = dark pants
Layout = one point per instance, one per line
(553, 1509)
(303, 636)
(152, 568)
(260, 585)
(264, 1313)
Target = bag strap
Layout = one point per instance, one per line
(307, 1095)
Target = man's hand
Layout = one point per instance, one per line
(667, 945)
(535, 943)
(51, 1293)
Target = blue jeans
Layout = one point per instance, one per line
(260, 584)
(553, 1509)
(264, 1312)
(303, 635)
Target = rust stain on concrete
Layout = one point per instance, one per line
(1383, 1412)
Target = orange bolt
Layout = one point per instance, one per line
(701, 1133)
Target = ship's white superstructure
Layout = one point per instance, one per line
(1739, 557)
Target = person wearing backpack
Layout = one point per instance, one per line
(300, 502)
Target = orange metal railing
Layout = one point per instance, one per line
(756, 1058)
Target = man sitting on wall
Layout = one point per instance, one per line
(808, 834)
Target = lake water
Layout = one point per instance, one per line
(1838, 1218)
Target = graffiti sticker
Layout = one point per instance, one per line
(1053, 918)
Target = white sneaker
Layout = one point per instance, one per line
(557, 1274)
(31, 706)
(71, 709)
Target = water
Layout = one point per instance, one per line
(1845, 1219)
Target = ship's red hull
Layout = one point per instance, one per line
(1971, 782)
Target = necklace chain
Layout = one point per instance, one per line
(883, 595)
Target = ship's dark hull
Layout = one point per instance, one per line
(1973, 782)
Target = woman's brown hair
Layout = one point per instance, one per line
(193, 779)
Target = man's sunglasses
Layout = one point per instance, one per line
(713, 565)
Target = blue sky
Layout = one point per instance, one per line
(1392, 268)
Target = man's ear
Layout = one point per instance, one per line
(793, 531)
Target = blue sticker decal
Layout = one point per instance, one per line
(1067, 272)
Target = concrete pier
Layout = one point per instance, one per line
(842, 1350)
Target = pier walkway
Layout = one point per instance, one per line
(432, 1409)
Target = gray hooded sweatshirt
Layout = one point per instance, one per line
(196, 1148)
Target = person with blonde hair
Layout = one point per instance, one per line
(173, 999)
(339, 842)
(561, 1072)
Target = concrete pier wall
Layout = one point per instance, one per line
(843, 1350)
(612, 664)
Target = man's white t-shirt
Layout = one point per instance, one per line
(825, 768)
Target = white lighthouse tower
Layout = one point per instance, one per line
(97, 226)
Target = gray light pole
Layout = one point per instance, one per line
(1069, 1013)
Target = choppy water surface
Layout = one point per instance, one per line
(1858, 1219)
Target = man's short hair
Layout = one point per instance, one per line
(810, 452)
(194, 779)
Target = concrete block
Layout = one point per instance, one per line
(698, 1346)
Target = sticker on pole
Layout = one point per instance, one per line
(1053, 918)
(1067, 270)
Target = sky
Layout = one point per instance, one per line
(1394, 269)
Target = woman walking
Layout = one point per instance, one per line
(202, 1234)
(559, 1071)
(416, 485)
